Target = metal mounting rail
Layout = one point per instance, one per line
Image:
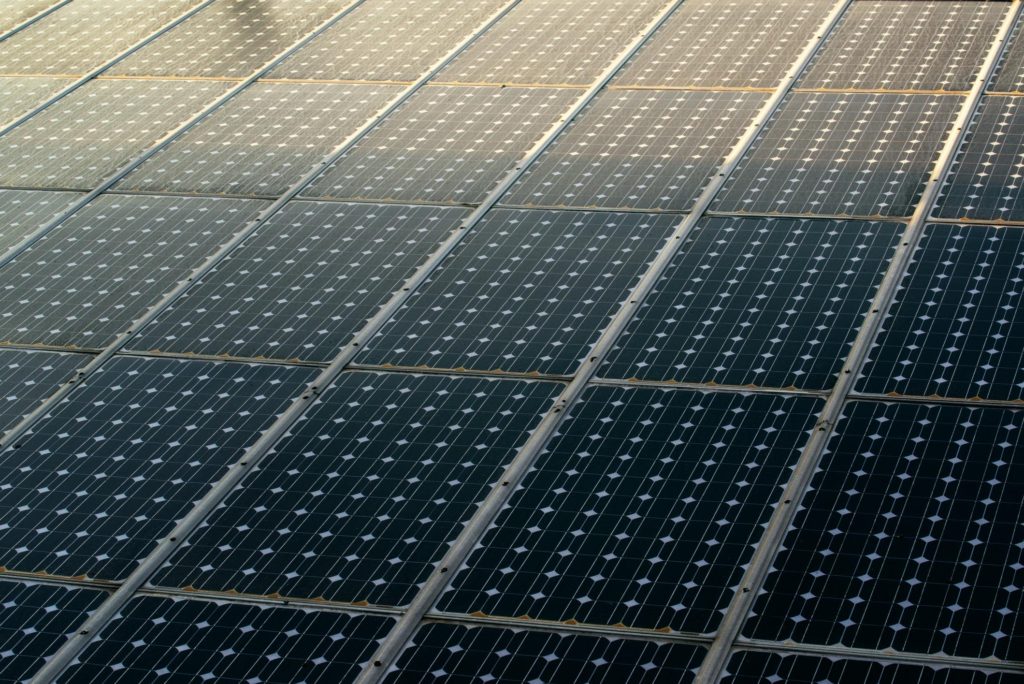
(424, 600)
(33, 19)
(782, 517)
(89, 76)
(107, 610)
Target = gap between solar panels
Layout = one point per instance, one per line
(33, 19)
(757, 570)
(392, 647)
(76, 84)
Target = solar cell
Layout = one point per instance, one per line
(446, 144)
(363, 497)
(459, 654)
(29, 377)
(526, 291)
(748, 667)
(23, 212)
(307, 280)
(553, 41)
(1009, 76)
(984, 181)
(757, 301)
(638, 150)
(643, 511)
(847, 154)
(35, 619)
(911, 536)
(106, 473)
(86, 281)
(84, 34)
(388, 40)
(262, 141)
(19, 94)
(954, 329)
(14, 13)
(231, 38)
(97, 129)
(742, 43)
(171, 639)
(920, 45)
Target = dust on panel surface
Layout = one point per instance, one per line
(388, 40)
(87, 280)
(92, 487)
(24, 212)
(526, 291)
(642, 511)
(638, 150)
(911, 536)
(447, 144)
(19, 94)
(262, 141)
(757, 301)
(83, 138)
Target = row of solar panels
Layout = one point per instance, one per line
(586, 537)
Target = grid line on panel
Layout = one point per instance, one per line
(435, 585)
(736, 614)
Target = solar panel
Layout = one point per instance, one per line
(91, 488)
(361, 500)
(447, 144)
(86, 281)
(19, 94)
(12, 14)
(29, 377)
(553, 41)
(456, 653)
(188, 640)
(96, 130)
(856, 154)
(984, 182)
(708, 43)
(23, 212)
(921, 45)
(263, 141)
(638, 150)
(35, 619)
(388, 40)
(84, 34)
(526, 292)
(1009, 76)
(910, 538)
(307, 281)
(757, 301)
(642, 512)
(231, 38)
(748, 667)
(954, 329)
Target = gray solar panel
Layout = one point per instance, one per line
(24, 212)
(262, 141)
(758, 301)
(842, 154)
(642, 511)
(360, 501)
(91, 488)
(527, 292)
(182, 640)
(28, 377)
(304, 283)
(97, 129)
(91, 277)
(638, 150)
(388, 40)
(19, 94)
(447, 144)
